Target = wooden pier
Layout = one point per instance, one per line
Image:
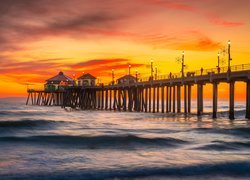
(160, 95)
(45, 98)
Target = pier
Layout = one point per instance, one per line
(148, 94)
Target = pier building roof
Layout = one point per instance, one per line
(60, 77)
(87, 76)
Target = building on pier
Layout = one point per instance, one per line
(86, 80)
(58, 82)
(127, 79)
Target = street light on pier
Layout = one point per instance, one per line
(129, 67)
(229, 55)
(156, 72)
(218, 66)
(182, 64)
(152, 69)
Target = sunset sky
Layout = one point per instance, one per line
(39, 38)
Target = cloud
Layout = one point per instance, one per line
(28, 20)
(25, 21)
(104, 66)
(37, 71)
(182, 5)
(197, 41)
(221, 22)
(88, 20)
(99, 62)
(172, 5)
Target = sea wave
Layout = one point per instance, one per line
(227, 170)
(95, 142)
(27, 123)
(20, 113)
(240, 131)
(225, 146)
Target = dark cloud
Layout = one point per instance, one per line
(88, 20)
(24, 21)
(27, 20)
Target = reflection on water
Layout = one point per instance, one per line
(50, 142)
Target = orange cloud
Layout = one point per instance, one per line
(23, 72)
(225, 23)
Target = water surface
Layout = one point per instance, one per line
(53, 143)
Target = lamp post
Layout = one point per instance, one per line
(152, 69)
(156, 71)
(229, 55)
(129, 67)
(113, 77)
(182, 64)
(218, 60)
(218, 66)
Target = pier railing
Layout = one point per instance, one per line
(200, 72)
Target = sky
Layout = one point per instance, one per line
(40, 38)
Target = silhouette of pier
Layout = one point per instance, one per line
(150, 93)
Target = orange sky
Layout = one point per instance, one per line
(40, 38)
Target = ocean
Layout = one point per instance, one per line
(39, 142)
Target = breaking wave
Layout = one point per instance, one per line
(95, 142)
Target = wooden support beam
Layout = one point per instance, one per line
(153, 99)
(174, 91)
(34, 98)
(248, 99)
(115, 100)
(27, 101)
(119, 100)
(146, 99)
(199, 99)
(142, 100)
(162, 99)
(178, 98)
(170, 99)
(31, 95)
(150, 98)
(215, 99)
(167, 98)
(102, 103)
(135, 92)
(38, 98)
(99, 99)
(231, 100)
(110, 99)
(106, 98)
(158, 99)
(130, 100)
(185, 99)
(189, 98)
(124, 100)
